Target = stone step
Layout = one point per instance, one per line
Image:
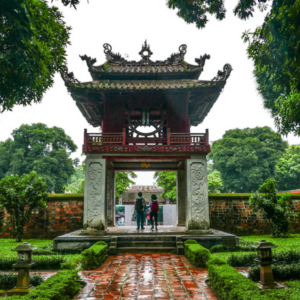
(146, 250)
(146, 238)
(146, 244)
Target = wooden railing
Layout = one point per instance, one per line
(120, 138)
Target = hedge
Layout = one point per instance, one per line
(9, 280)
(64, 285)
(94, 256)
(197, 254)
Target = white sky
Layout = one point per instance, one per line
(125, 25)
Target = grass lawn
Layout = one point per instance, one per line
(8, 244)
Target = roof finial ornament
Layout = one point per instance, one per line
(145, 53)
(201, 61)
(177, 58)
(114, 58)
(68, 77)
(223, 75)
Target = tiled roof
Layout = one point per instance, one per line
(159, 85)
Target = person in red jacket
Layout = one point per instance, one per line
(154, 208)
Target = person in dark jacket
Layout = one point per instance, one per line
(140, 203)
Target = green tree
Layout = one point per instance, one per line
(75, 181)
(277, 209)
(288, 169)
(20, 195)
(214, 181)
(247, 157)
(32, 48)
(47, 151)
(167, 180)
(123, 181)
(274, 48)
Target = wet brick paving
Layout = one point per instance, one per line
(145, 276)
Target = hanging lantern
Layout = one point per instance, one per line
(145, 165)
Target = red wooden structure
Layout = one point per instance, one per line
(164, 95)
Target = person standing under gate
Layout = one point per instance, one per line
(140, 203)
(154, 208)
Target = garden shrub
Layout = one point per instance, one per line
(42, 263)
(100, 243)
(9, 280)
(216, 261)
(238, 248)
(189, 242)
(280, 271)
(64, 285)
(94, 256)
(197, 254)
(230, 284)
(286, 257)
(68, 265)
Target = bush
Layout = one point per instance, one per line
(197, 254)
(216, 261)
(42, 263)
(188, 242)
(9, 280)
(94, 256)
(100, 243)
(68, 265)
(230, 284)
(280, 272)
(238, 248)
(287, 257)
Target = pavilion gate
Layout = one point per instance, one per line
(166, 95)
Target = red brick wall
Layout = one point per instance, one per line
(233, 214)
(62, 215)
(230, 213)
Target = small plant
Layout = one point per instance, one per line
(20, 195)
(275, 209)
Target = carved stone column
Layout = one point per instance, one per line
(94, 193)
(197, 216)
(181, 195)
(110, 197)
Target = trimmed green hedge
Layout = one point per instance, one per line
(64, 285)
(9, 280)
(197, 254)
(94, 256)
(238, 248)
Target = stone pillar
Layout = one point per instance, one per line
(181, 195)
(197, 212)
(110, 197)
(94, 193)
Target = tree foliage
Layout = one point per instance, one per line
(288, 169)
(274, 48)
(32, 48)
(20, 195)
(123, 181)
(247, 157)
(274, 208)
(41, 149)
(196, 11)
(214, 181)
(75, 181)
(167, 180)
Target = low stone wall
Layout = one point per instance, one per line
(228, 212)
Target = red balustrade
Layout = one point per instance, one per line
(120, 138)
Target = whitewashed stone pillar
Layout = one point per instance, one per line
(94, 193)
(197, 212)
(110, 197)
(181, 196)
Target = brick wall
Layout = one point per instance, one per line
(62, 215)
(230, 213)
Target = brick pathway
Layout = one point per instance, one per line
(145, 276)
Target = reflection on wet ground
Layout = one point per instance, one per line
(145, 276)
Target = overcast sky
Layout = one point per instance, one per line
(125, 25)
